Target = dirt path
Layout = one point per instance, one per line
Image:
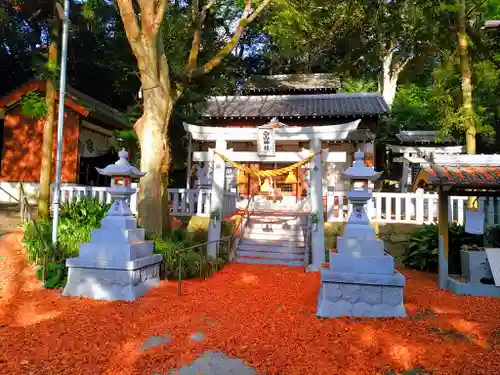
(261, 315)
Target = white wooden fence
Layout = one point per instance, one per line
(183, 202)
(411, 208)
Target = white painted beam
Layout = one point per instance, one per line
(426, 149)
(280, 157)
(291, 133)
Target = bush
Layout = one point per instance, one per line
(194, 261)
(86, 211)
(55, 275)
(77, 219)
(422, 252)
(492, 236)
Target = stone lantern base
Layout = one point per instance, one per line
(117, 264)
(362, 295)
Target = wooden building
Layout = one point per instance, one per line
(297, 102)
(87, 143)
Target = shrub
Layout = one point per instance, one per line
(33, 242)
(55, 275)
(194, 261)
(86, 211)
(422, 252)
(492, 236)
(77, 219)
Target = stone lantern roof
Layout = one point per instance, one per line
(121, 168)
(359, 170)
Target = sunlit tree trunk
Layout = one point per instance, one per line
(466, 76)
(48, 127)
(160, 93)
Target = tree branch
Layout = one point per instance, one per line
(198, 19)
(161, 8)
(131, 25)
(400, 67)
(474, 8)
(246, 18)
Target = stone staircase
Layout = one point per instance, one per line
(277, 239)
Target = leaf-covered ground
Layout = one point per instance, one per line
(263, 315)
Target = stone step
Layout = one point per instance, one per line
(298, 262)
(264, 236)
(274, 231)
(280, 219)
(273, 249)
(282, 247)
(271, 254)
(275, 243)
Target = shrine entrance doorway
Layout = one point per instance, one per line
(289, 186)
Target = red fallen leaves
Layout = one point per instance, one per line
(264, 315)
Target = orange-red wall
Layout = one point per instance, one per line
(22, 146)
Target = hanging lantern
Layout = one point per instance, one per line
(265, 186)
(291, 179)
(241, 178)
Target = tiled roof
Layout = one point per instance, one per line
(424, 136)
(462, 175)
(461, 172)
(292, 82)
(295, 106)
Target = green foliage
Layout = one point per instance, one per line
(492, 236)
(86, 211)
(422, 252)
(33, 105)
(76, 222)
(55, 275)
(174, 246)
(351, 85)
(33, 242)
(412, 110)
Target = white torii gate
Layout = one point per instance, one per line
(280, 132)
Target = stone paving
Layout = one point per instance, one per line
(209, 363)
(215, 363)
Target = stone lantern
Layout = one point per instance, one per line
(361, 280)
(117, 263)
(359, 177)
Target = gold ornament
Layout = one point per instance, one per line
(291, 179)
(241, 178)
(265, 186)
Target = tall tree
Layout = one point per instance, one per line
(50, 101)
(466, 78)
(145, 22)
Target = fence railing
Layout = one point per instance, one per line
(183, 202)
(411, 208)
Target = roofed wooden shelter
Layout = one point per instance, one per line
(410, 149)
(459, 175)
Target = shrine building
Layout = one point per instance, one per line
(277, 121)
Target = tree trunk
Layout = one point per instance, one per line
(388, 79)
(151, 129)
(466, 76)
(48, 128)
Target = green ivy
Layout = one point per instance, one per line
(33, 105)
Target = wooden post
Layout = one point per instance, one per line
(443, 223)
